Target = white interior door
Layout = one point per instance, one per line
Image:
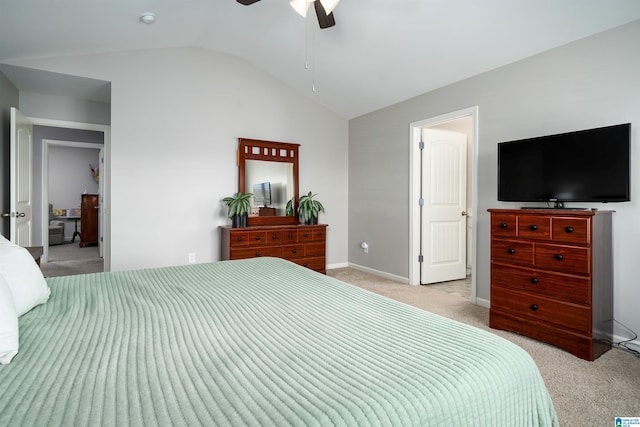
(100, 201)
(444, 225)
(21, 189)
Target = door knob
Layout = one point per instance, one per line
(464, 213)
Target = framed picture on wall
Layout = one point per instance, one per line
(73, 212)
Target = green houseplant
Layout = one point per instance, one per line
(288, 211)
(309, 208)
(239, 206)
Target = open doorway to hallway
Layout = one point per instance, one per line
(71, 179)
(80, 144)
(442, 243)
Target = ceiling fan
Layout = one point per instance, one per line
(324, 9)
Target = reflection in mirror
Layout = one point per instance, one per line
(271, 184)
(269, 168)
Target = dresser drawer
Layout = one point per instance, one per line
(569, 259)
(317, 264)
(555, 285)
(315, 249)
(247, 238)
(293, 251)
(309, 234)
(571, 230)
(289, 235)
(503, 225)
(273, 251)
(534, 227)
(512, 251)
(533, 306)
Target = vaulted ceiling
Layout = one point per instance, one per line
(379, 52)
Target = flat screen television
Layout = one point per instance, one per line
(590, 165)
(262, 194)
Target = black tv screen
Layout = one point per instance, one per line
(585, 166)
(262, 194)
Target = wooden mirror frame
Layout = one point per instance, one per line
(269, 151)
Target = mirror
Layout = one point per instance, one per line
(269, 170)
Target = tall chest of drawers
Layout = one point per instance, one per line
(303, 244)
(552, 277)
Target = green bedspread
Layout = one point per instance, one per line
(256, 342)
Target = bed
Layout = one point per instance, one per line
(256, 342)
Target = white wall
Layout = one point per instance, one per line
(589, 83)
(176, 116)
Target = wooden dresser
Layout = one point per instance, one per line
(552, 277)
(89, 220)
(302, 244)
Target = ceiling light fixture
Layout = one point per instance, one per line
(148, 18)
(301, 6)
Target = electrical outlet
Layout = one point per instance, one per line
(192, 258)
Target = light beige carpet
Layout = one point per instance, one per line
(70, 259)
(584, 393)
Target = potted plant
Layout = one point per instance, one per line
(239, 206)
(309, 208)
(288, 211)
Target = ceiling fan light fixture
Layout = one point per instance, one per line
(301, 6)
(329, 5)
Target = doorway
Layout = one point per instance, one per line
(42, 144)
(465, 122)
(70, 170)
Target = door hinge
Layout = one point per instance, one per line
(421, 145)
(420, 259)
(420, 201)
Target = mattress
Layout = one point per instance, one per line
(257, 342)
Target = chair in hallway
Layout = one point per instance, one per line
(56, 229)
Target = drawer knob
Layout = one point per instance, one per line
(319, 233)
(257, 253)
(534, 307)
(511, 251)
(305, 265)
(503, 225)
(257, 237)
(534, 280)
(305, 235)
(295, 251)
(569, 229)
(274, 237)
(239, 239)
(290, 236)
(533, 227)
(559, 257)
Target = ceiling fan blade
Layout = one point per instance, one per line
(247, 2)
(324, 20)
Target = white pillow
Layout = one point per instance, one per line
(8, 324)
(24, 278)
(4, 241)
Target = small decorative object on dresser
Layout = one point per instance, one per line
(239, 206)
(303, 244)
(552, 277)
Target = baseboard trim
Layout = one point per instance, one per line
(483, 302)
(635, 343)
(404, 280)
(338, 265)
